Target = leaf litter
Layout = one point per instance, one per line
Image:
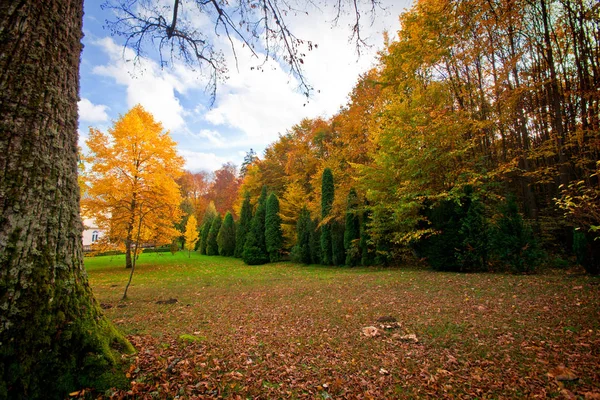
(290, 337)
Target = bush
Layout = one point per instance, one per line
(587, 252)
(475, 236)
(513, 243)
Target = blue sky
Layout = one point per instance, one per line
(251, 109)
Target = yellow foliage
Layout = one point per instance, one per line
(131, 188)
(191, 233)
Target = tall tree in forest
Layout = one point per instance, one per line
(55, 338)
(273, 236)
(327, 194)
(255, 248)
(191, 234)
(132, 193)
(226, 236)
(243, 226)
(352, 231)
(212, 246)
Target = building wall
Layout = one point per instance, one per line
(91, 233)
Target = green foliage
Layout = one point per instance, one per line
(475, 234)
(273, 234)
(173, 247)
(352, 231)
(461, 241)
(587, 251)
(243, 226)
(327, 196)
(514, 244)
(212, 247)
(366, 250)
(315, 241)
(209, 215)
(301, 251)
(226, 237)
(255, 248)
(338, 253)
(203, 242)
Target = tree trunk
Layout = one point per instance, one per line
(53, 336)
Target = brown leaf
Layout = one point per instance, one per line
(562, 373)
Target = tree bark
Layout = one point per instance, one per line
(53, 336)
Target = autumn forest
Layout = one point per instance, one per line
(472, 145)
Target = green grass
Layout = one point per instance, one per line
(290, 329)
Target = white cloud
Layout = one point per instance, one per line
(198, 161)
(92, 112)
(263, 104)
(155, 89)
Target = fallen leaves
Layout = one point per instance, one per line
(562, 373)
(279, 332)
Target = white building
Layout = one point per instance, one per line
(91, 233)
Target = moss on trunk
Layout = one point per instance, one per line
(53, 336)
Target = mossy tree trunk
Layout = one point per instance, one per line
(53, 336)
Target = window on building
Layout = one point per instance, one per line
(94, 236)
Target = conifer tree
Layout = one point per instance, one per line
(338, 253)
(204, 229)
(315, 241)
(513, 241)
(327, 194)
(273, 235)
(352, 231)
(255, 248)
(207, 219)
(301, 252)
(243, 226)
(226, 236)
(212, 248)
(191, 233)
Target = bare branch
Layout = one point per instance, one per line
(260, 25)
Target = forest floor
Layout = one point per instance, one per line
(291, 331)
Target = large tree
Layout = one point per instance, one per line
(132, 193)
(54, 337)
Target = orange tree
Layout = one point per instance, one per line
(132, 193)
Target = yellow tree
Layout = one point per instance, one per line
(191, 234)
(132, 193)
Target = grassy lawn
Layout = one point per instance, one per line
(291, 331)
